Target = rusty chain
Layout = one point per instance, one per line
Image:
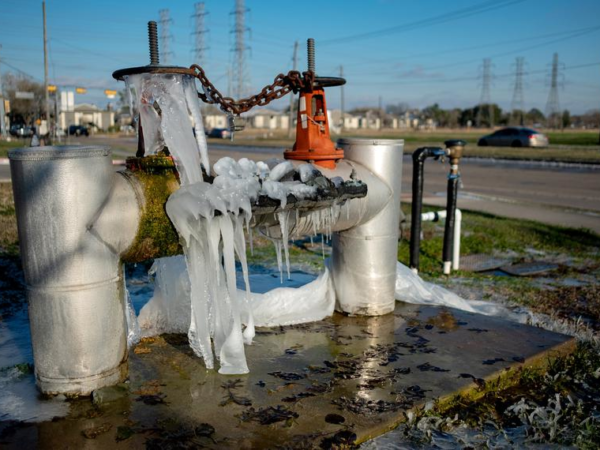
(294, 81)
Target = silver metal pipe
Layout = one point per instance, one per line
(364, 257)
(75, 216)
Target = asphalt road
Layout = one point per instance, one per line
(564, 194)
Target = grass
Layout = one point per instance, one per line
(6, 146)
(9, 239)
(553, 404)
(489, 234)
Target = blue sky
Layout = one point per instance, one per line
(418, 52)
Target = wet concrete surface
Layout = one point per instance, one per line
(340, 380)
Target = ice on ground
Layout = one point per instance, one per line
(411, 288)
(300, 299)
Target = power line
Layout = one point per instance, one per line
(571, 34)
(489, 5)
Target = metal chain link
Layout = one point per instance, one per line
(294, 81)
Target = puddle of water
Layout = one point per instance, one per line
(19, 397)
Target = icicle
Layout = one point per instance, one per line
(283, 218)
(277, 244)
(250, 237)
(191, 95)
(240, 250)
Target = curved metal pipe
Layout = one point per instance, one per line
(419, 156)
(75, 216)
(364, 257)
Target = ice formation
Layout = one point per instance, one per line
(210, 218)
(306, 299)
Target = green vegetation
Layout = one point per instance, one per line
(9, 240)
(488, 234)
(550, 402)
(6, 146)
(569, 137)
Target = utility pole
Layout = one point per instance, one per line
(518, 104)
(292, 97)
(342, 100)
(553, 113)
(485, 94)
(380, 113)
(199, 33)
(47, 94)
(2, 112)
(165, 36)
(239, 73)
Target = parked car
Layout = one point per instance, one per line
(221, 133)
(78, 130)
(514, 137)
(21, 131)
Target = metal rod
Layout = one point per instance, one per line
(419, 157)
(153, 43)
(310, 47)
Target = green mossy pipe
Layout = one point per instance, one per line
(156, 236)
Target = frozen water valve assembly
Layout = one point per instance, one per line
(79, 221)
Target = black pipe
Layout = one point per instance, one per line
(455, 149)
(419, 156)
(451, 197)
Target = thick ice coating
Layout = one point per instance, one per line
(210, 220)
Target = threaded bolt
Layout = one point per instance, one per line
(153, 42)
(310, 46)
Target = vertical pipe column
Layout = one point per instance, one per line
(72, 273)
(419, 156)
(455, 149)
(364, 258)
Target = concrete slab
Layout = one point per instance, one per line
(313, 385)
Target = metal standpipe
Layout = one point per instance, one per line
(364, 257)
(75, 216)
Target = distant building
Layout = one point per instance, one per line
(267, 119)
(87, 115)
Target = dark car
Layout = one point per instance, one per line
(514, 137)
(21, 131)
(78, 130)
(221, 133)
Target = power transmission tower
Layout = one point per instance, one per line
(240, 74)
(518, 103)
(553, 112)
(485, 99)
(165, 35)
(199, 32)
(292, 97)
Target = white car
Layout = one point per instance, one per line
(514, 137)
